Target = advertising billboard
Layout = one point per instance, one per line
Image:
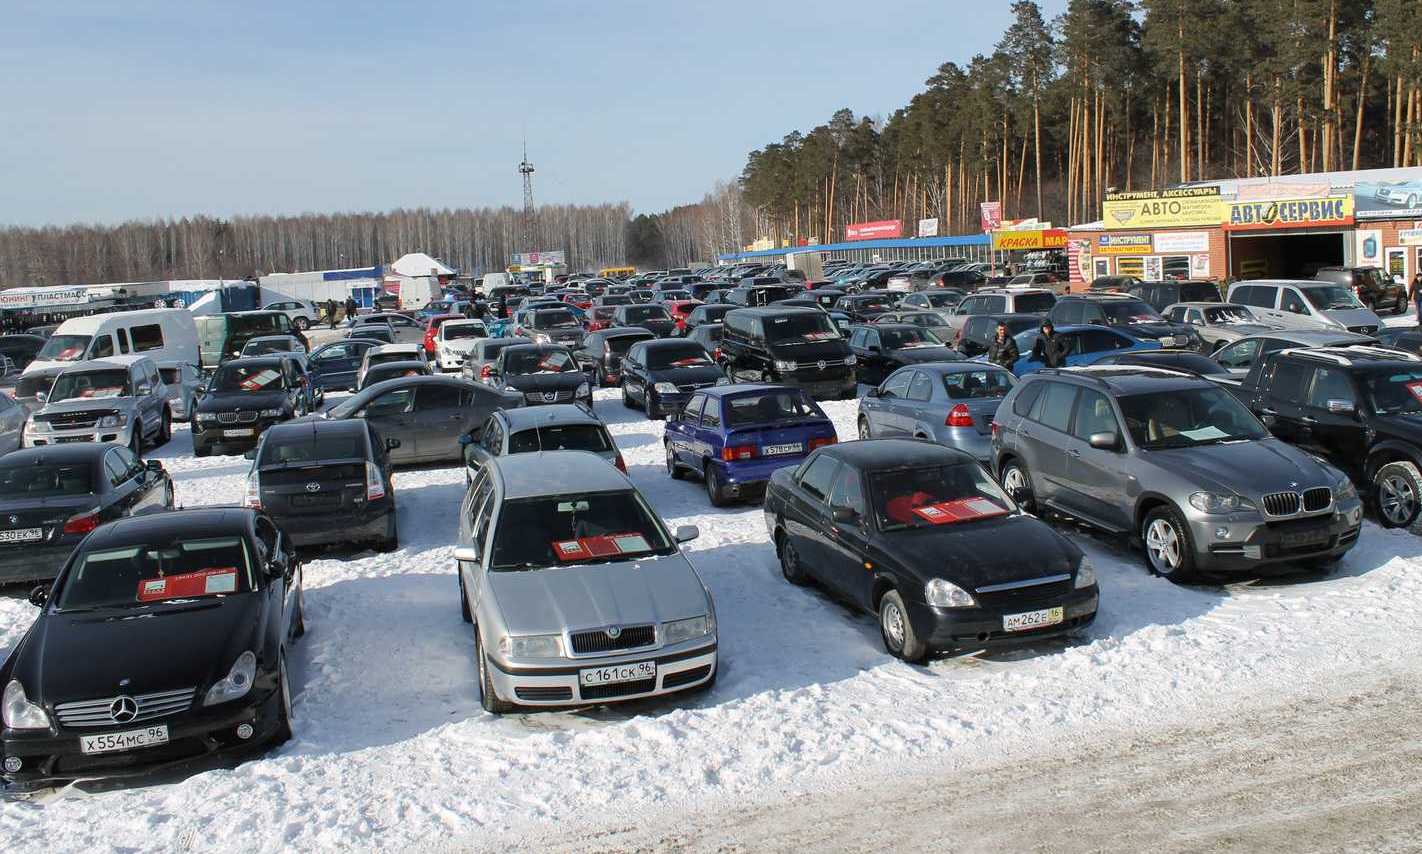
(1038, 238)
(928, 227)
(874, 230)
(1178, 208)
(1387, 199)
(1123, 244)
(1289, 213)
(991, 215)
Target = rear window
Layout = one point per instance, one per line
(1032, 303)
(455, 331)
(554, 319)
(639, 313)
(46, 480)
(305, 448)
(1198, 292)
(565, 437)
(970, 385)
(768, 407)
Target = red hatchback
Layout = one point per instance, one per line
(679, 309)
(432, 330)
(599, 317)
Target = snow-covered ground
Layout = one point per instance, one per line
(392, 749)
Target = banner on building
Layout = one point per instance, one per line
(991, 216)
(1387, 199)
(1182, 242)
(928, 227)
(1271, 190)
(883, 228)
(1039, 238)
(1078, 260)
(1178, 208)
(1123, 244)
(533, 259)
(1369, 248)
(43, 297)
(1199, 266)
(1289, 213)
(1410, 237)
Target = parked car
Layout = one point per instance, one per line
(864, 307)
(181, 382)
(302, 313)
(650, 316)
(1179, 463)
(708, 335)
(1112, 284)
(120, 399)
(921, 536)
(948, 403)
(334, 366)
(53, 497)
(182, 621)
(530, 430)
(13, 417)
(801, 347)
(406, 329)
(1085, 344)
(1036, 301)
(326, 483)
(881, 349)
(1239, 357)
(394, 370)
(165, 335)
(680, 310)
(384, 353)
(1217, 323)
(932, 321)
(734, 437)
(702, 314)
(1134, 316)
(660, 376)
(977, 334)
(479, 363)
(1305, 305)
(1404, 338)
(539, 559)
(936, 299)
(602, 352)
(21, 349)
(427, 415)
(1179, 361)
(220, 337)
(541, 373)
(1373, 287)
(244, 398)
(263, 345)
(549, 326)
(1160, 295)
(378, 333)
(454, 339)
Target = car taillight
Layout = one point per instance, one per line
(959, 416)
(621, 464)
(822, 441)
(374, 485)
(731, 453)
(486, 372)
(716, 354)
(82, 524)
(253, 496)
(994, 429)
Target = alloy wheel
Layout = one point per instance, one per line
(1397, 500)
(1013, 480)
(892, 620)
(864, 429)
(1163, 546)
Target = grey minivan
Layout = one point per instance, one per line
(951, 403)
(577, 591)
(1300, 304)
(1176, 462)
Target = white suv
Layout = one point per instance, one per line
(301, 313)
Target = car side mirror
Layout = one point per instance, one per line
(875, 348)
(39, 594)
(276, 568)
(844, 515)
(1341, 407)
(872, 392)
(465, 439)
(687, 533)
(1107, 441)
(250, 455)
(1268, 421)
(153, 466)
(392, 444)
(466, 554)
(42, 397)
(145, 388)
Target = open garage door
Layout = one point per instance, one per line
(1284, 256)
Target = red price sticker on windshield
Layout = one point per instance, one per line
(551, 362)
(959, 510)
(1416, 388)
(605, 545)
(204, 582)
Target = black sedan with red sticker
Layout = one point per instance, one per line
(163, 640)
(921, 536)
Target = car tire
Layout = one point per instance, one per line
(714, 490)
(789, 560)
(201, 451)
(301, 324)
(464, 611)
(1397, 494)
(894, 626)
(626, 398)
(1015, 474)
(487, 698)
(864, 430)
(1170, 553)
(284, 715)
(649, 406)
(299, 630)
(673, 468)
(135, 443)
(165, 429)
(391, 542)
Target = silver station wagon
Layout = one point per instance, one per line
(577, 591)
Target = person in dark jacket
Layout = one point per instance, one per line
(1050, 350)
(1414, 293)
(1003, 350)
(350, 307)
(331, 312)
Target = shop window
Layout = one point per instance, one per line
(1131, 267)
(1176, 266)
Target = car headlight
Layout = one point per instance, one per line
(38, 426)
(723, 381)
(19, 712)
(206, 417)
(583, 390)
(236, 683)
(1219, 502)
(684, 630)
(946, 594)
(272, 413)
(664, 388)
(851, 360)
(784, 365)
(531, 646)
(1085, 574)
(1344, 490)
(116, 420)
(542, 337)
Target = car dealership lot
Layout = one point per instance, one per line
(392, 749)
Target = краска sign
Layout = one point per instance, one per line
(1038, 238)
(874, 230)
(1289, 213)
(1177, 208)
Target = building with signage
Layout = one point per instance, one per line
(971, 247)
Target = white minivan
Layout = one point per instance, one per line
(168, 336)
(1303, 304)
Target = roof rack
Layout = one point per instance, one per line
(1134, 369)
(1345, 355)
(1383, 352)
(1321, 352)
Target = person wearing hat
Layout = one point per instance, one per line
(1049, 349)
(1003, 350)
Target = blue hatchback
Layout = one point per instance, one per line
(1085, 344)
(736, 436)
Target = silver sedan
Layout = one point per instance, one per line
(951, 403)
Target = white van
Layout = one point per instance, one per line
(168, 336)
(493, 280)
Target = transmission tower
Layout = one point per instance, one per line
(526, 170)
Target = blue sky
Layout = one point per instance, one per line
(140, 108)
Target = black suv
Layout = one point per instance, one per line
(1164, 294)
(1128, 312)
(1373, 287)
(1358, 408)
(800, 347)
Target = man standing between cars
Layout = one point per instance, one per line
(350, 307)
(1415, 294)
(1003, 350)
(1049, 349)
(331, 312)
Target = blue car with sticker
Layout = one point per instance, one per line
(734, 437)
(1085, 344)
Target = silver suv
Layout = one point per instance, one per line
(1175, 461)
(577, 591)
(119, 399)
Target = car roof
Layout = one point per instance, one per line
(1099, 297)
(281, 337)
(525, 417)
(66, 453)
(665, 343)
(401, 365)
(394, 348)
(155, 528)
(314, 426)
(621, 331)
(770, 310)
(526, 475)
(960, 367)
(265, 359)
(1312, 337)
(1358, 355)
(1130, 379)
(1200, 304)
(537, 348)
(871, 454)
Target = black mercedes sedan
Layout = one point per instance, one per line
(921, 536)
(326, 483)
(542, 373)
(164, 639)
(245, 397)
(660, 376)
(51, 497)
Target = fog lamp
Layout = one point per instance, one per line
(244, 731)
(12, 763)
(1222, 533)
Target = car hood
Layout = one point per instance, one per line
(155, 649)
(971, 554)
(561, 381)
(547, 601)
(460, 345)
(1250, 469)
(687, 376)
(94, 404)
(1156, 329)
(919, 355)
(1351, 317)
(228, 401)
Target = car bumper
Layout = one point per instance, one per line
(559, 685)
(976, 628)
(368, 525)
(749, 478)
(119, 435)
(821, 388)
(215, 437)
(48, 759)
(968, 440)
(36, 562)
(1253, 543)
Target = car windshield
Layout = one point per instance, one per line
(602, 313)
(935, 495)
(908, 339)
(799, 328)
(85, 385)
(63, 348)
(137, 576)
(1187, 418)
(304, 448)
(638, 313)
(1331, 297)
(1126, 312)
(680, 356)
(45, 480)
(1228, 315)
(558, 319)
(536, 533)
(560, 437)
(1395, 391)
(231, 377)
(533, 361)
(768, 407)
(454, 331)
(970, 385)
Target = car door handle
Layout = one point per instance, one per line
(1309, 420)
(1267, 412)
(1074, 452)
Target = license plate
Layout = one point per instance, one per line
(113, 742)
(773, 450)
(247, 431)
(618, 673)
(21, 535)
(1031, 620)
(1167, 341)
(1305, 538)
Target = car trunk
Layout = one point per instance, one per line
(982, 409)
(46, 514)
(322, 487)
(779, 441)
